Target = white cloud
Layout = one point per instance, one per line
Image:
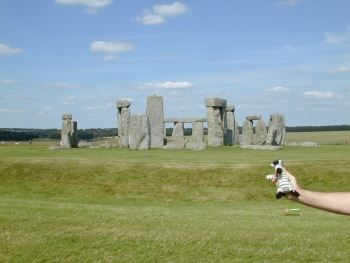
(340, 69)
(160, 13)
(324, 95)
(63, 85)
(277, 90)
(106, 106)
(110, 48)
(110, 57)
(7, 81)
(168, 85)
(91, 5)
(151, 19)
(7, 50)
(3, 110)
(288, 2)
(70, 100)
(174, 9)
(337, 37)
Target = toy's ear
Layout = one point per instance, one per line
(275, 162)
(272, 165)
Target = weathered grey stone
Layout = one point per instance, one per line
(247, 137)
(215, 102)
(178, 137)
(230, 108)
(69, 133)
(262, 147)
(197, 132)
(156, 120)
(276, 134)
(229, 122)
(199, 146)
(260, 133)
(215, 118)
(66, 116)
(74, 139)
(303, 144)
(236, 135)
(139, 132)
(123, 104)
(185, 120)
(171, 146)
(123, 122)
(253, 118)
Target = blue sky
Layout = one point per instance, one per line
(264, 57)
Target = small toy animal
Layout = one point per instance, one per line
(282, 180)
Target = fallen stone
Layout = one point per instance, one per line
(303, 144)
(199, 146)
(262, 147)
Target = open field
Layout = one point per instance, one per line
(323, 137)
(117, 205)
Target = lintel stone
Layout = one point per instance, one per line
(253, 118)
(185, 120)
(230, 108)
(215, 102)
(66, 116)
(123, 104)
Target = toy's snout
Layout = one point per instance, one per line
(278, 169)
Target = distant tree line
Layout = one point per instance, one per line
(318, 128)
(54, 134)
(17, 134)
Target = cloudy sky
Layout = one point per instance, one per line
(80, 56)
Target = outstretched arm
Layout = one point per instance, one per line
(337, 202)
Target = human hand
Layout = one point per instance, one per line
(293, 180)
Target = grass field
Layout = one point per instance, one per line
(323, 137)
(117, 205)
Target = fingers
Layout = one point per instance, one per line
(293, 180)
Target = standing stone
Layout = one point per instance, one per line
(139, 132)
(123, 122)
(215, 118)
(247, 137)
(69, 132)
(197, 132)
(229, 125)
(236, 135)
(260, 133)
(276, 134)
(156, 120)
(197, 138)
(178, 137)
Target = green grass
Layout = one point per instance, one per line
(117, 205)
(323, 137)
